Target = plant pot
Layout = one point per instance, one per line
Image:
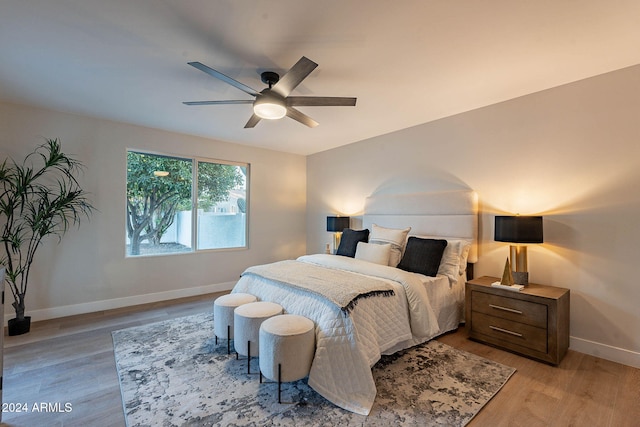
(19, 327)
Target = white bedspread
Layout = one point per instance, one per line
(348, 346)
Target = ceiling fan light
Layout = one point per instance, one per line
(270, 109)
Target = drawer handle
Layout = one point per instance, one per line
(495, 328)
(510, 310)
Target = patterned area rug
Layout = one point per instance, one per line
(172, 374)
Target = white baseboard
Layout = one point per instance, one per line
(91, 307)
(614, 354)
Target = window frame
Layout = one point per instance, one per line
(195, 160)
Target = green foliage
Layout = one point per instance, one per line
(242, 205)
(38, 198)
(153, 198)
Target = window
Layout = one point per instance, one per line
(177, 204)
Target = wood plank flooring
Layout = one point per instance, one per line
(70, 361)
(581, 391)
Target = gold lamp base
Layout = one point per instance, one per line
(520, 277)
(518, 255)
(336, 241)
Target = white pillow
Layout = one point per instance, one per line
(450, 263)
(395, 237)
(464, 255)
(378, 254)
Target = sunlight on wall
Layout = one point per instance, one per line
(344, 202)
(548, 195)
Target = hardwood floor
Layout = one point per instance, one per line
(581, 391)
(70, 361)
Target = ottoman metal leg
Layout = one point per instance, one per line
(273, 382)
(279, 383)
(228, 339)
(249, 358)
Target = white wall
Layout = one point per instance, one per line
(88, 271)
(571, 154)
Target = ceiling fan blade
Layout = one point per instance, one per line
(218, 75)
(301, 117)
(253, 121)
(294, 76)
(236, 101)
(321, 101)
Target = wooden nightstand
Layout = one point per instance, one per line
(533, 322)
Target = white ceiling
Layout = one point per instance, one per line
(407, 62)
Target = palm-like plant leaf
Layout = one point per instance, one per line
(39, 197)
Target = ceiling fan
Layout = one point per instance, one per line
(274, 102)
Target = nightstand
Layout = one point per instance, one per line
(533, 322)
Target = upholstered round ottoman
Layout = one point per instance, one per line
(287, 346)
(247, 319)
(223, 308)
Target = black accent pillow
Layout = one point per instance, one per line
(349, 241)
(423, 255)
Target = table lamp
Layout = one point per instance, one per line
(520, 230)
(336, 224)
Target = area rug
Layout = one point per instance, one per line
(172, 374)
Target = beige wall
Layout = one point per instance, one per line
(571, 154)
(88, 271)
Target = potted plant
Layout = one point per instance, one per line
(39, 197)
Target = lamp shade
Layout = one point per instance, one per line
(337, 223)
(518, 229)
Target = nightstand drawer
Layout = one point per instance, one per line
(501, 331)
(512, 309)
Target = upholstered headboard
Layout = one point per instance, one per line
(446, 214)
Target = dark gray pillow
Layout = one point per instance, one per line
(423, 255)
(349, 241)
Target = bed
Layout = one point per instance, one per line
(395, 308)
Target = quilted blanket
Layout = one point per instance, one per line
(341, 287)
(348, 346)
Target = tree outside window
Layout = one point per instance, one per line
(160, 204)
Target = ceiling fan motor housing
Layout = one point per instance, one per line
(269, 77)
